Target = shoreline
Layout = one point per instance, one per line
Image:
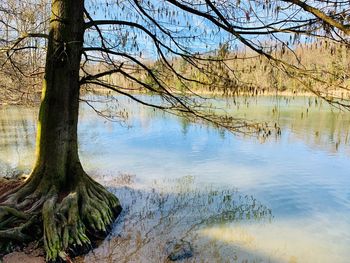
(337, 95)
(257, 93)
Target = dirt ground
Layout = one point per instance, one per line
(22, 257)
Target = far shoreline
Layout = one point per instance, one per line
(336, 95)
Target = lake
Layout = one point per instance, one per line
(234, 198)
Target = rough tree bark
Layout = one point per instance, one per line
(59, 201)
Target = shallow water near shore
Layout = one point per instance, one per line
(233, 198)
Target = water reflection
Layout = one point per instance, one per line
(303, 177)
(176, 209)
(284, 241)
(306, 119)
(17, 133)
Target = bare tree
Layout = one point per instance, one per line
(22, 55)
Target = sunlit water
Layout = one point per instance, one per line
(233, 198)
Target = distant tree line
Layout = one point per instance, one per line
(22, 62)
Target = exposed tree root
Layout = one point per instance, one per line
(6, 185)
(18, 233)
(68, 221)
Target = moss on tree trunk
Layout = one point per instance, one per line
(59, 202)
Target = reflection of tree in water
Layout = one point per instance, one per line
(311, 121)
(17, 133)
(174, 210)
(303, 118)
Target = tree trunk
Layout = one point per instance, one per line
(56, 149)
(65, 204)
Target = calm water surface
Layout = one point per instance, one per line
(234, 198)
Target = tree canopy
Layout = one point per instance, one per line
(196, 32)
(126, 36)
